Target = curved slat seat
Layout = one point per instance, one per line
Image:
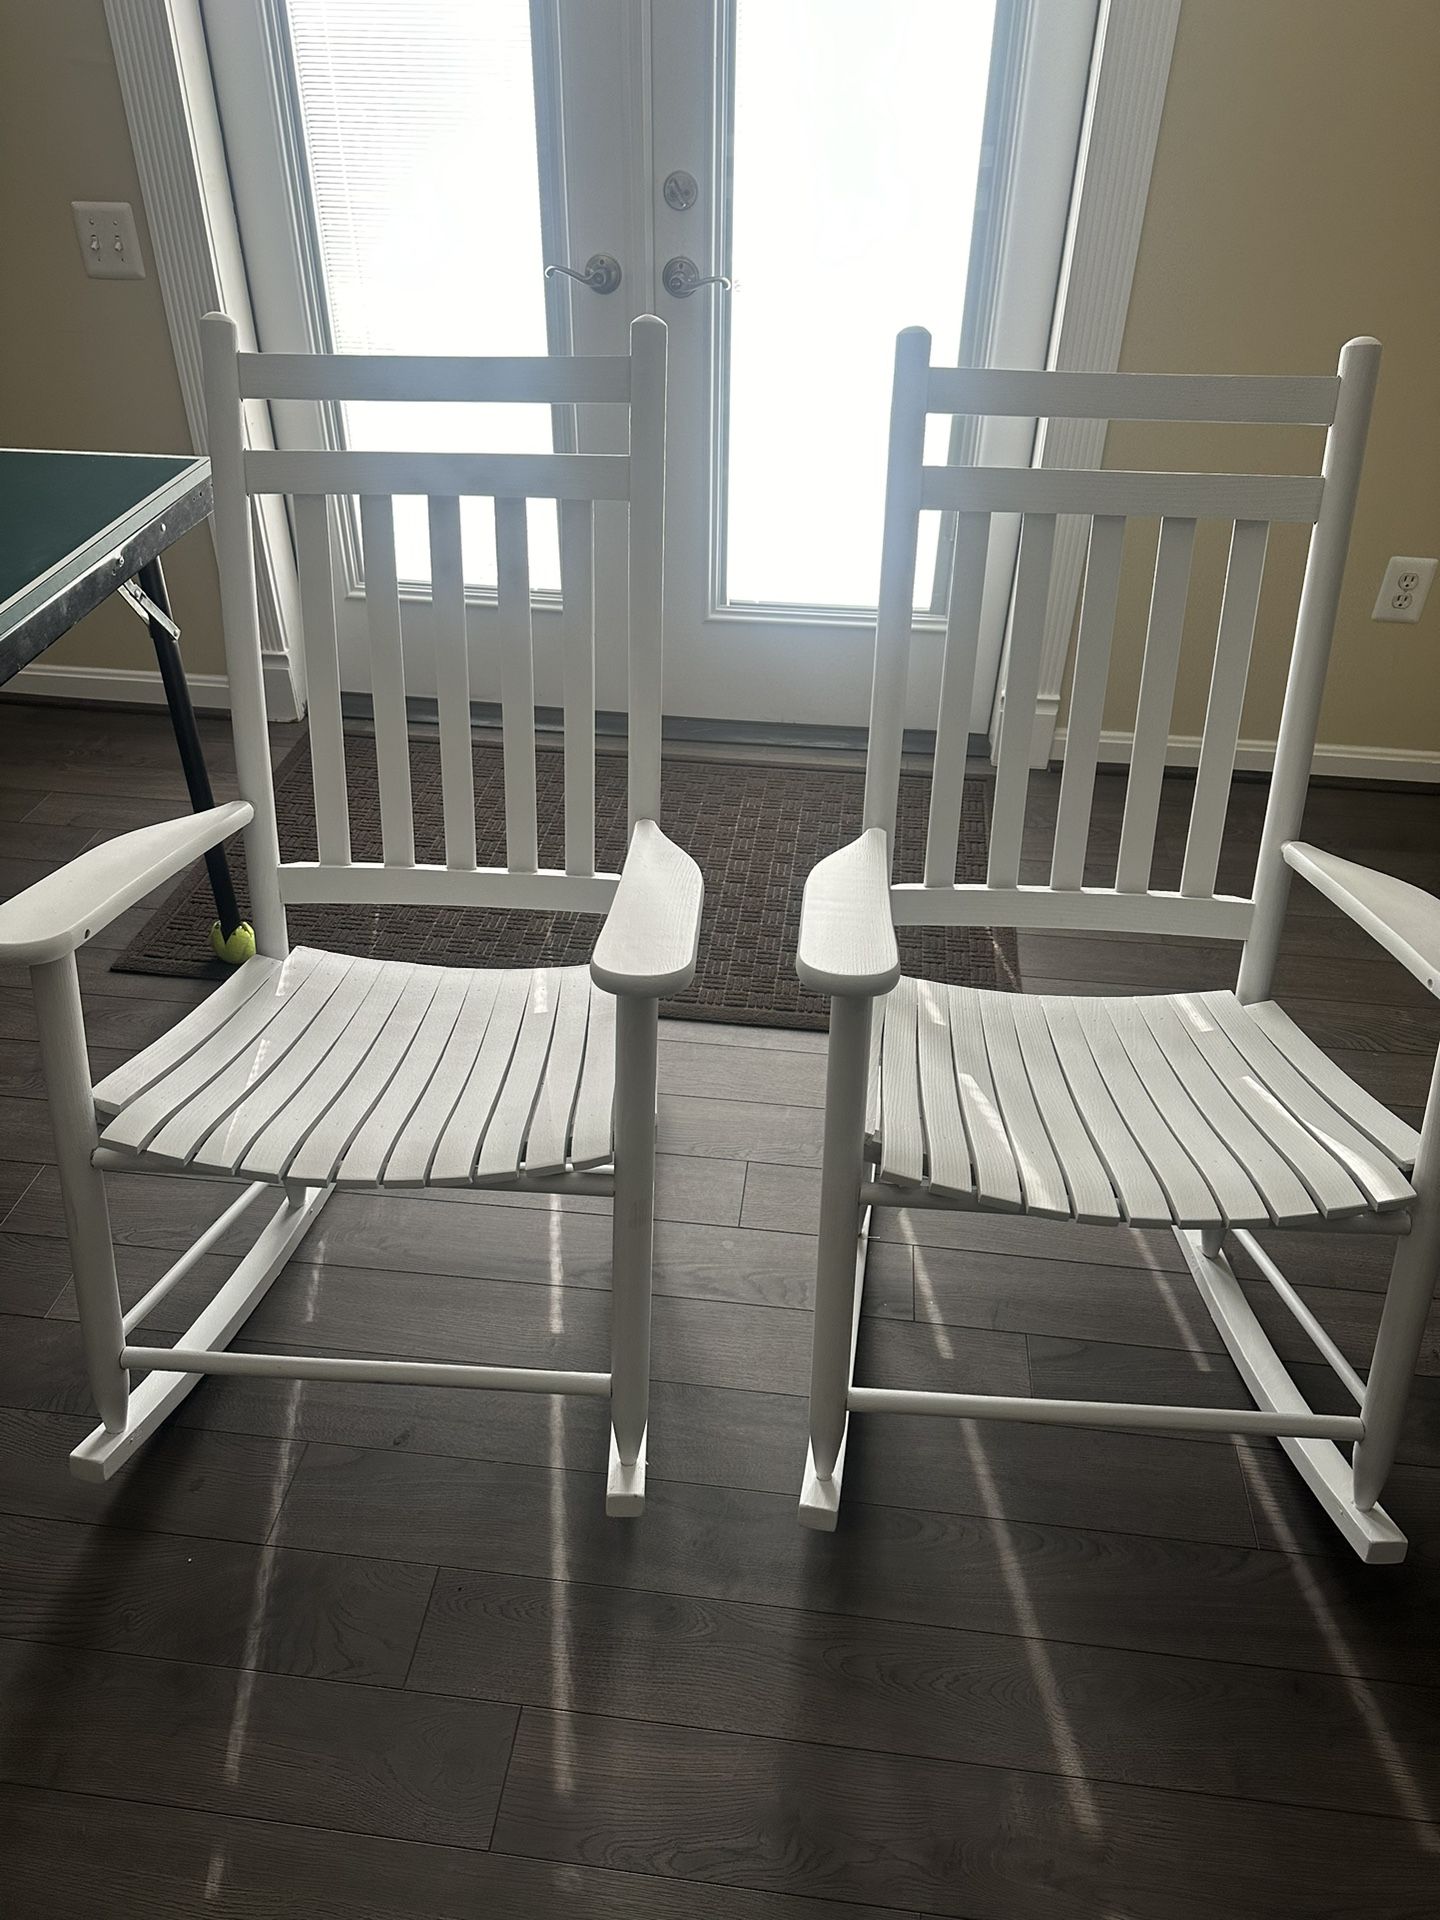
(375, 1073)
(1186, 1110)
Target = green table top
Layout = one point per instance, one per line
(64, 516)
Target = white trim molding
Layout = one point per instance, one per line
(1335, 760)
(1134, 42)
(164, 72)
(142, 687)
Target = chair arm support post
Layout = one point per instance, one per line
(63, 1059)
(1403, 1317)
(71, 905)
(847, 1069)
(847, 932)
(636, 1052)
(651, 936)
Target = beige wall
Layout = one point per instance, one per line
(86, 363)
(1293, 205)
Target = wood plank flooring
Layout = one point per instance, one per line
(377, 1653)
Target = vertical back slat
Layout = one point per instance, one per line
(647, 574)
(1157, 697)
(322, 677)
(387, 680)
(1087, 700)
(452, 681)
(517, 686)
(1022, 688)
(957, 692)
(1227, 700)
(577, 588)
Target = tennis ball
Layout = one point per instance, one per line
(238, 948)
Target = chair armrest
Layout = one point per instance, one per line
(1405, 920)
(62, 911)
(651, 934)
(847, 933)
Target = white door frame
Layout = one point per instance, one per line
(164, 73)
(1133, 48)
(165, 81)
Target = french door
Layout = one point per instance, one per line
(786, 182)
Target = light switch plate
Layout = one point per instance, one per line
(109, 242)
(1403, 590)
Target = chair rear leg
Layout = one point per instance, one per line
(82, 1185)
(1403, 1317)
(1397, 1348)
(636, 1039)
(839, 1261)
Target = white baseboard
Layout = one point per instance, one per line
(131, 686)
(141, 686)
(1258, 756)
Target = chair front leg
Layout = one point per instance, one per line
(840, 1253)
(82, 1186)
(636, 1041)
(1403, 1317)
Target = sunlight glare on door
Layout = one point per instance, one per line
(419, 125)
(856, 148)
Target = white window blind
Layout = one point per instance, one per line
(419, 126)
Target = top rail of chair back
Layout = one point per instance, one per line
(527, 380)
(532, 381)
(1259, 399)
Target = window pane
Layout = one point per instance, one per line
(856, 149)
(419, 128)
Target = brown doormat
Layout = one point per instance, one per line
(755, 830)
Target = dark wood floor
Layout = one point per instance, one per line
(371, 1652)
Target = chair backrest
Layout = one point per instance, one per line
(1251, 503)
(311, 479)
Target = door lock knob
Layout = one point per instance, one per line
(681, 277)
(601, 273)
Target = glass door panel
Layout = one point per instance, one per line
(838, 149)
(855, 150)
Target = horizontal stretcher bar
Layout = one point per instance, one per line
(497, 476)
(364, 882)
(1106, 1413)
(1192, 496)
(1262, 399)
(173, 1275)
(403, 376)
(414, 1373)
(1305, 1319)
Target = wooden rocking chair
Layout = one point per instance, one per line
(307, 1071)
(1210, 1113)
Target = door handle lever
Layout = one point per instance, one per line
(601, 273)
(681, 277)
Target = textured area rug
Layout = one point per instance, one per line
(756, 831)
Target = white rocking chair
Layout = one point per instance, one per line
(308, 1071)
(1210, 1113)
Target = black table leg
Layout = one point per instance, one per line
(187, 739)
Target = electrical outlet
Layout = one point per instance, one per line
(1404, 588)
(108, 240)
